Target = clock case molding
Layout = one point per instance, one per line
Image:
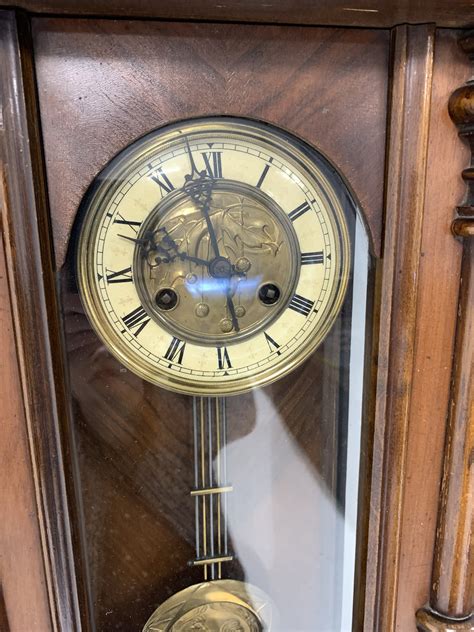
(417, 279)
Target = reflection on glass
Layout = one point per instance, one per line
(291, 458)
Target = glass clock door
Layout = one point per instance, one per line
(214, 300)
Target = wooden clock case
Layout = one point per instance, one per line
(75, 90)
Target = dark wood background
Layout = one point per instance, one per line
(103, 83)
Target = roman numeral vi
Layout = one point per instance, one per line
(223, 360)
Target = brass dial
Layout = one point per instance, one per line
(184, 284)
(214, 255)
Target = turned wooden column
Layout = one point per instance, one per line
(452, 590)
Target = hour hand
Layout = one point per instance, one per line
(185, 257)
(149, 244)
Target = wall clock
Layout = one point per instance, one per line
(223, 244)
(214, 255)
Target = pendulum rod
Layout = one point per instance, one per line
(210, 485)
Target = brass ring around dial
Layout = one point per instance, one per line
(224, 605)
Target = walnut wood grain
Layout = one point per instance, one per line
(103, 83)
(30, 273)
(23, 595)
(439, 275)
(453, 570)
(405, 198)
(383, 13)
(451, 598)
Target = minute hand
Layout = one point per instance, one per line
(210, 229)
(200, 190)
(212, 236)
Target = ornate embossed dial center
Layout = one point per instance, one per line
(257, 250)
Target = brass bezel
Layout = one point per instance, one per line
(143, 150)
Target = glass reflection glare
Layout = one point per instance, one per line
(273, 519)
(213, 286)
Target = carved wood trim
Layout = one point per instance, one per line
(450, 606)
(406, 158)
(379, 14)
(32, 286)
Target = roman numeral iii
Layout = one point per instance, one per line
(301, 305)
(308, 258)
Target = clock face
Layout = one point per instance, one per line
(214, 255)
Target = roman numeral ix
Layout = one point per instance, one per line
(122, 276)
(301, 305)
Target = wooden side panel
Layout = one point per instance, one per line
(396, 350)
(104, 83)
(26, 238)
(436, 323)
(24, 603)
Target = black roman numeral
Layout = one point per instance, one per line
(134, 225)
(122, 276)
(223, 360)
(263, 176)
(138, 319)
(299, 211)
(213, 162)
(312, 257)
(162, 179)
(272, 344)
(175, 351)
(301, 305)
